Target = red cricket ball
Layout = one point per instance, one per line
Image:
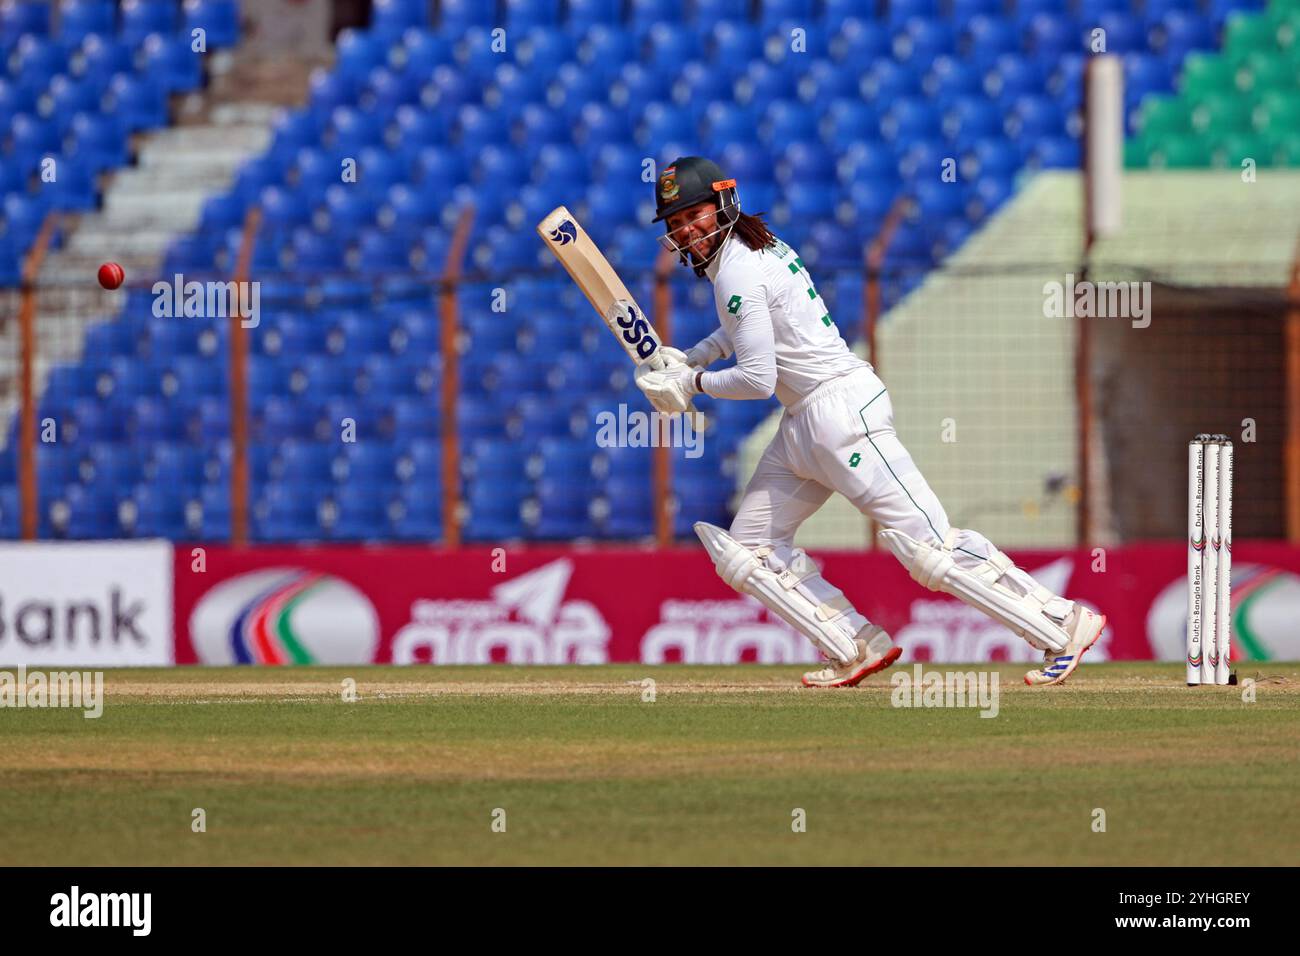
(111, 275)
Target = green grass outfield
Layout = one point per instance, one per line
(710, 772)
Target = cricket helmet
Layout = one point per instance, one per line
(693, 179)
(682, 184)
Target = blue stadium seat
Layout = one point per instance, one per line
(901, 11)
(921, 41)
(303, 461)
(330, 90)
(910, 119)
(561, 459)
(416, 334)
(787, 121)
(276, 419)
(458, 15)
(214, 508)
(886, 81)
(563, 510)
(544, 47)
(159, 512)
(1035, 117)
(110, 465)
(175, 465)
(357, 513)
(1012, 76)
(219, 19)
(1056, 153)
(418, 418)
(707, 12)
(56, 466)
(630, 507)
(971, 118)
(138, 104)
(371, 465)
(993, 156)
(416, 515)
(706, 82)
(91, 513)
(68, 95)
(287, 512)
(17, 19)
(140, 18)
(102, 55)
(809, 201)
(583, 13)
(474, 56)
(826, 80)
(860, 40)
(401, 14)
(1180, 32)
(363, 333)
(670, 41)
(833, 246)
(357, 52)
(171, 64)
(511, 372)
(1125, 32)
(535, 417)
(155, 419)
(333, 375)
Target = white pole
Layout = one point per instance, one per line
(1104, 158)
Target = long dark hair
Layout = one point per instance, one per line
(753, 231)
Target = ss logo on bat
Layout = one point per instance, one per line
(636, 332)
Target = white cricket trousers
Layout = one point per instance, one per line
(840, 437)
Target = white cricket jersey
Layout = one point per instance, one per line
(775, 322)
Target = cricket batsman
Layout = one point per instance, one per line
(836, 434)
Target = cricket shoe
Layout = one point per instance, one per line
(875, 652)
(1083, 627)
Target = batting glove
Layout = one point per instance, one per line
(669, 389)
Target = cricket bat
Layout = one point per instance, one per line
(589, 268)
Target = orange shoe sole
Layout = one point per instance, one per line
(854, 679)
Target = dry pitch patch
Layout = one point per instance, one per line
(591, 772)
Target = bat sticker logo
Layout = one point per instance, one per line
(566, 233)
(637, 333)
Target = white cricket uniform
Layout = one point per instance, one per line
(837, 432)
